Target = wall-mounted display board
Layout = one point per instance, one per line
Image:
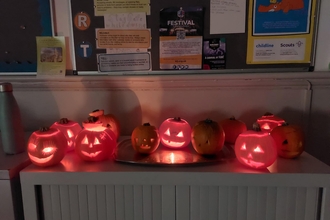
(157, 37)
(20, 23)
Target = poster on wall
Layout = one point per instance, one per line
(181, 38)
(280, 31)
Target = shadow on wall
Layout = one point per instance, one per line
(318, 141)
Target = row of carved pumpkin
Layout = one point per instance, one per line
(95, 142)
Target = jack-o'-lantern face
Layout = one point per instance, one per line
(145, 139)
(255, 149)
(70, 129)
(268, 122)
(95, 143)
(46, 147)
(175, 133)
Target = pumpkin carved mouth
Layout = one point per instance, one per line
(145, 147)
(173, 143)
(90, 154)
(253, 163)
(41, 160)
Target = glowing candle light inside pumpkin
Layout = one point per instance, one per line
(255, 148)
(269, 121)
(70, 129)
(95, 142)
(175, 133)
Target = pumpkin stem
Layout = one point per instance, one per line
(43, 129)
(208, 120)
(268, 114)
(256, 127)
(63, 121)
(146, 124)
(177, 119)
(232, 118)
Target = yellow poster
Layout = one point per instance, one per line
(102, 7)
(111, 38)
(51, 56)
(280, 31)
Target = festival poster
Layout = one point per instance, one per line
(280, 31)
(181, 38)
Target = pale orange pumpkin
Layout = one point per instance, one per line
(46, 147)
(255, 148)
(207, 137)
(175, 133)
(269, 121)
(145, 139)
(232, 128)
(289, 139)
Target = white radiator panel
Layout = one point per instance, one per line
(169, 202)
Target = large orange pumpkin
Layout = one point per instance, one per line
(207, 137)
(145, 139)
(232, 128)
(255, 148)
(289, 139)
(46, 147)
(108, 120)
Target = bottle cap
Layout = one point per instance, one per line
(6, 87)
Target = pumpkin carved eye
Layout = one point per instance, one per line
(243, 147)
(266, 127)
(258, 149)
(180, 134)
(96, 141)
(152, 140)
(70, 133)
(84, 140)
(167, 132)
(48, 150)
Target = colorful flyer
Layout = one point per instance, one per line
(214, 53)
(181, 38)
(51, 56)
(280, 31)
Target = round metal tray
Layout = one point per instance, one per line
(168, 156)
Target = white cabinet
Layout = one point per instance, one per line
(289, 189)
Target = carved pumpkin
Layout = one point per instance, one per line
(232, 128)
(95, 142)
(269, 121)
(108, 120)
(46, 147)
(255, 148)
(145, 139)
(207, 137)
(70, 129)
(289, 139)
(175, 133)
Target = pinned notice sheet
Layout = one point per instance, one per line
(227, 16)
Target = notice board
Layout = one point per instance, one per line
(20, 23)
(162, 36)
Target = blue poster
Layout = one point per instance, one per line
(281, 17)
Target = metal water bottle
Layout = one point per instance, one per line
(11, 128)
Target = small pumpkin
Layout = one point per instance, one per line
(70, 129)
(108, 120)
(46, 147)
(255, 148)
(145, 139)
(95, 142)
(289, 139)
(232, 128)
(175, 133)
(207, 137)
(269, 121)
